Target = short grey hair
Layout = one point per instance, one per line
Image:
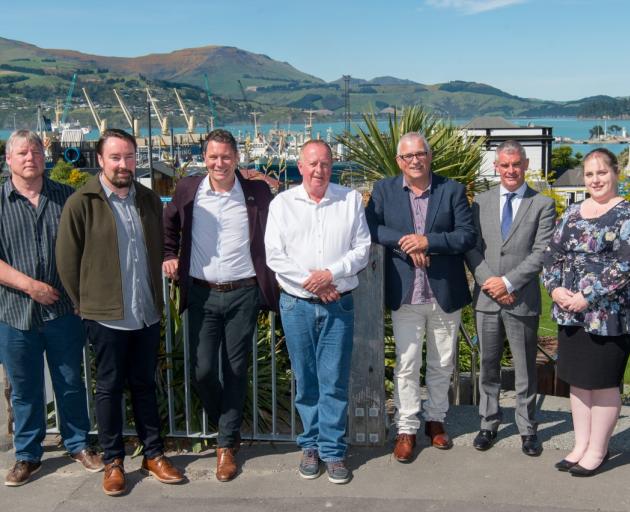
(319, 142)
(28, 135)
(511, 146)
(409, 136)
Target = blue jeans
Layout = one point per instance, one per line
(319, 339)
(22, 353)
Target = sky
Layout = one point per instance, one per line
(548, 49)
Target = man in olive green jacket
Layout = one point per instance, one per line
(86, 245)
(109, 257)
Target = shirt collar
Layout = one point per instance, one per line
(405, 186)
(11, 190)
(302, 194)
(206, 187)
(520, 191)
(108, 191)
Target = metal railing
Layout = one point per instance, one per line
(182, 418)
(473, 343)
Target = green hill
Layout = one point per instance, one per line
(240, 82)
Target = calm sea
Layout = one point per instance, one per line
(577, 129)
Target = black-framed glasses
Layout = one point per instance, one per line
(408, 158)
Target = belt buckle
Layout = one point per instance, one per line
(223, 287)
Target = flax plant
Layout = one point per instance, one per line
(454, 155)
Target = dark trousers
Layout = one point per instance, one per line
(126, 357)
(221, 330)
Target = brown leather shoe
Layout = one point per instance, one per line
(403, 449)
(162, 469)
(114, 478)
(91, 461)
(439, 438)
(226, 464)
(21, 473)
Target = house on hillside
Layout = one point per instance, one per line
(570, 186)
(536, 140)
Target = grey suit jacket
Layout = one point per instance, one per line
(518, 257)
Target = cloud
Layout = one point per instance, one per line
(473, 6)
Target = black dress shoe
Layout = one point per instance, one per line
(485, 439)
(531, 446)
(578, 470)
(564, 465)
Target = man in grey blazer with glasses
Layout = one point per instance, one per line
(514, 224)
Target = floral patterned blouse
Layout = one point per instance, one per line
(592, 256)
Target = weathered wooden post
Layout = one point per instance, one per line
(366, 411)
(6, 441)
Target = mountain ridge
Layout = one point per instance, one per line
(241, 81)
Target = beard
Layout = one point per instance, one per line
(122, 180)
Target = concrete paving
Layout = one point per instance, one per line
(461, 479)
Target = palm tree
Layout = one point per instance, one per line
(454, 155)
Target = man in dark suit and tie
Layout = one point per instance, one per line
(425, 223)
(515, 224)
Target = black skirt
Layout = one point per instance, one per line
(589, 361)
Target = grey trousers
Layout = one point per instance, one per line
(522, 335)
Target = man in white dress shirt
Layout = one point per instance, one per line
(214, 247)
(317, 240)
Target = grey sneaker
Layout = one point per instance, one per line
(338, 472)
(309, 465)
(21, 473)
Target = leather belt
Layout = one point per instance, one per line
(228, 286)
(315, 300)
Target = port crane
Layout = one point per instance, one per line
(133, 122)
(101, 123)
(190, 119)
(162, 120)
(213, 113)
(61, 114)
(255, 116)
(240, 84)
(309, 124)
(66, 107)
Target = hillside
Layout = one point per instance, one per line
(224, 65)
(240, 82)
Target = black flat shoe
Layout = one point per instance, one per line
(484, 440)
(531, 446)
(564, 465)
(578, 470)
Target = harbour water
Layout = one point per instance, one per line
(570, 127)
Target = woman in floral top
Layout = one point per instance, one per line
(587, 273)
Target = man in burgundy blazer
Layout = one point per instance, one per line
(214, 245)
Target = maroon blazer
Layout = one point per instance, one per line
(178, 216)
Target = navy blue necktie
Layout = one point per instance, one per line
(506, 219)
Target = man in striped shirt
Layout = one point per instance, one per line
(36, 314)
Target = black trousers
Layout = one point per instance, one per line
(126, 357)
(221, 330)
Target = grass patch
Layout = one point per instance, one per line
(547, 325)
